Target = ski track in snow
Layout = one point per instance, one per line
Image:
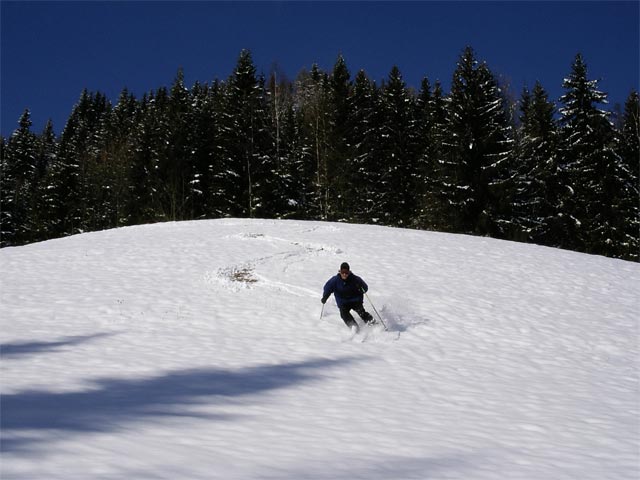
(196, 350)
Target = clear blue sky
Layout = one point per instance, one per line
(51, 51)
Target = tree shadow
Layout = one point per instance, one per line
(114, 402)
(27, 348)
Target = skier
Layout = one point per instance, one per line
(348, 289)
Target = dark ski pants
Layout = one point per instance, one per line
(345, 313)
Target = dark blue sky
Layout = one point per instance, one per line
(51, 51)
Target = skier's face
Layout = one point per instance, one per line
(344, 273)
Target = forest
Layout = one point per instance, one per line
(329, 146)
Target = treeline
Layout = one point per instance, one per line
(331, 147)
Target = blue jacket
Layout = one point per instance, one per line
(346, 291)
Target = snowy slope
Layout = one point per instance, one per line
(196, 351)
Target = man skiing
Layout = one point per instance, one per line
(348, 289)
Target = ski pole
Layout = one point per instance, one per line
(375, 310)
(321, 311)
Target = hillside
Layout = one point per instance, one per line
(196, 350)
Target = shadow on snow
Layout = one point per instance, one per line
(28, 348)
(114, 402)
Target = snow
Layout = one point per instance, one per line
(196, 350)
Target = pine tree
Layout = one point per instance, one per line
(282, 195)
(537, 189)
(398, 150)
(299, 187)
(339, 156)
(593, 171)
(97, 168)
(5, 218)
(115, 161)
(74, 174)
(47, 153)
(175, 165)
(212, 153)
(19, 171)
(243, 169)
(150, 149)
(363, 137)
(431, 120)
(270, 171)
(476, 152)
(314, 119)
(629, 196)
(203, 146)
(305, 185)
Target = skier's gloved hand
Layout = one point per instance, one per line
(324, 300)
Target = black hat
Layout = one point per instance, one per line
(344, 266)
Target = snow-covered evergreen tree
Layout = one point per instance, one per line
(47, 153)
(176, 168)
(477, 152)
(243, 140)
(117, 156)
(313, 101)
(205, 134)
(536, 187)
(18, 174)
(398, 153)
(5, 215)
(431, 116)
(594, 173)
(629, 151)
(304, 180)
(150, 150)
(282, 192)
(340, 168)
(75, 174)
(363, 137)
